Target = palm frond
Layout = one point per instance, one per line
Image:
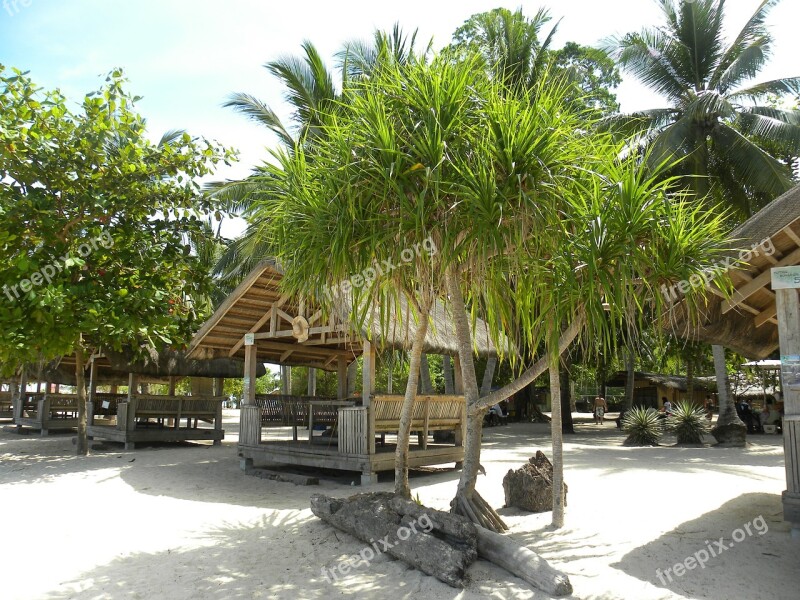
(787, 85)
(255, 109)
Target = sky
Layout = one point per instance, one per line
(186, 57)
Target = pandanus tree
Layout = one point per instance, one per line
(505, 186)
(718, 119)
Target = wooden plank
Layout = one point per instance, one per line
(760, 281)
(766, 315)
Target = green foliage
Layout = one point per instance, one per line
(688, 422)
(97, 224)
(716, 118)
(643, 427)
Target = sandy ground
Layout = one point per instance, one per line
(183, 522)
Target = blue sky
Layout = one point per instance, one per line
(185, 57)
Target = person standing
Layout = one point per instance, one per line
(600, 409)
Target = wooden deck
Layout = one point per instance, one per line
(47, 412)
(357, 436)
(147, 418)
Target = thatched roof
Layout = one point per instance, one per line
(258, 306)
(675, 382)
(155, 367)
(747, 321)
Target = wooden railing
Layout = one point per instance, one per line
(142, 407)
(282, 410)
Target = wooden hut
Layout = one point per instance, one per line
(135, 416)
(757, 319)
(259, 323)
(650, 389)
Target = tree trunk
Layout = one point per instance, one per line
(447, 372)
(426, 387)
(488, 375)
(467, 501)
(82, 446)
(567, 426)
(601, 374)
(555, 430)
(401, 486)
(690, 379)
(630, 381)
(535, 370)
(729, 429)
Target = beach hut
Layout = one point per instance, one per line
(758, 319)
(136, 416)
(259, 323)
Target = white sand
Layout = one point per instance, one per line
(184, 522)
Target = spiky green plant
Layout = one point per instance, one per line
(688, 421)
(642, 426)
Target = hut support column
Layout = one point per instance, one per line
(286, 380)
(788, 304)
(312, 381)
(92, 390)
(250, 412)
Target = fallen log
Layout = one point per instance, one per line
(444, 553)
(523, 563)
(438, 543)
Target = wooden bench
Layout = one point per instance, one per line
(280, 410)
(46, 411)
(429, 413)
(148, 418)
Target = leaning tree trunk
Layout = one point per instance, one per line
(401, 486)
(729, 430)
(556, 433)
(80, 386)
(468, 502)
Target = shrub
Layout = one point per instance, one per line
(688, 421)
(642, 426)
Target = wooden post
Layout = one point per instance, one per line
(286, 380)
(172, 381)
(250, 364)
(312, 381)
(788, 305)
(447, 371)
(368, 374)
(92, 390)
(352, 371)
(341, 377)
(217, 386)
(133, 381)
(23, 391)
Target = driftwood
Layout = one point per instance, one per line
(522, 562)
(440, 543)
(445, 552)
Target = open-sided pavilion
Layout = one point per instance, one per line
(260, 323)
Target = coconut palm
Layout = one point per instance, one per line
(716, 119)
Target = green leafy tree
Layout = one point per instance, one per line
(717, 121)
(95, 246)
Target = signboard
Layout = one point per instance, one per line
(249, 339)
(786, 278)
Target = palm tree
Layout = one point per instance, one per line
(716, 120)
